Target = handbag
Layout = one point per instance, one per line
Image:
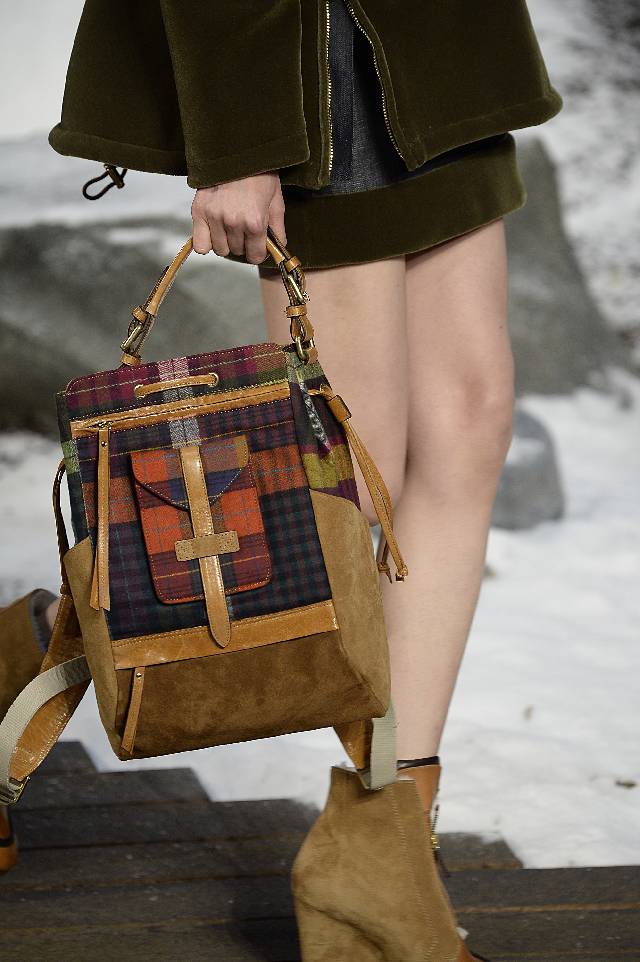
(223, 585)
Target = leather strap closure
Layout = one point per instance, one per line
(221, 542)
(100, 597)
(135, 701)
(202, 523)
(191, 380)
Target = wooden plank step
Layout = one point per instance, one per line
(130, 823)
(64, 791)
(47, 870)
(66, 758)
(118, 824)
(543, 915)
(257, 940)
(463, 851)
(158, 862)
(551, 915)
(209, 901)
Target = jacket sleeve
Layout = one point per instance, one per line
(237, 72)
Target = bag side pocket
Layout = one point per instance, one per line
(172, 548)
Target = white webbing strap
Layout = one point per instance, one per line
(30, 700)
(382, 763)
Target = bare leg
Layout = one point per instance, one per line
(460, 419)
(428, 377)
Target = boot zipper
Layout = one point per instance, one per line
(375, 63)
(328, 69)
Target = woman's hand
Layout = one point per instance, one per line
(233, 217)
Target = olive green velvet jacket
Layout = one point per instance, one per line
(221, 89)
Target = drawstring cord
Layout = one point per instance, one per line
(116, 180)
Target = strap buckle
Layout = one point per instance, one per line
(138, 331)
(11, 792)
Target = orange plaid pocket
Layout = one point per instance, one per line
(235, 506)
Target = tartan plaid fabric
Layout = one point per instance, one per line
(298, 572)
(163, 503)
(321, 439)
(114, 390)
(294, 444)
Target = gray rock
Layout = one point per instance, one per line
(560, 341)
(530, 489)
(67, 293)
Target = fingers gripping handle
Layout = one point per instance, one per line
(292, 276)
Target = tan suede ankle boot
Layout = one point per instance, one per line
(365, 882)
(21, 656)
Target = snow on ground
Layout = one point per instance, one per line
(541, 741)
(595, 142)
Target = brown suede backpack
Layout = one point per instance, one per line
(222, 586)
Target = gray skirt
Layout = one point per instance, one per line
(371, 207)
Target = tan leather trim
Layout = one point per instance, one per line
(129, 734)
(427, 778)
(131, 360)
(152, 413)
(465, 955)
(245, 633)
(100, 597)
(202, 523)
(152, 304)
(45, 727)
(191, 380)
(207, 544)
(356, 740)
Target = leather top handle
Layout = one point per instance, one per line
(293, 278)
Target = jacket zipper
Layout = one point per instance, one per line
(328, 69)
(375, 63)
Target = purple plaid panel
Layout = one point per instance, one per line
(109, 391)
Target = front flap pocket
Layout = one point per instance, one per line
(201, 519)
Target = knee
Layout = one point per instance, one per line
(467, 435)
(482, 419)
(486, 417)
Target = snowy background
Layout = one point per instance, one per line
(541, 747)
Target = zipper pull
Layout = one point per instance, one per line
(100, 597)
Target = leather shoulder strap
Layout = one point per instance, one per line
(39, 714)
(22, 715)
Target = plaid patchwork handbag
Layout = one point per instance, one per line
(223, 585)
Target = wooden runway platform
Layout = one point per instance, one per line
(141, 866)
